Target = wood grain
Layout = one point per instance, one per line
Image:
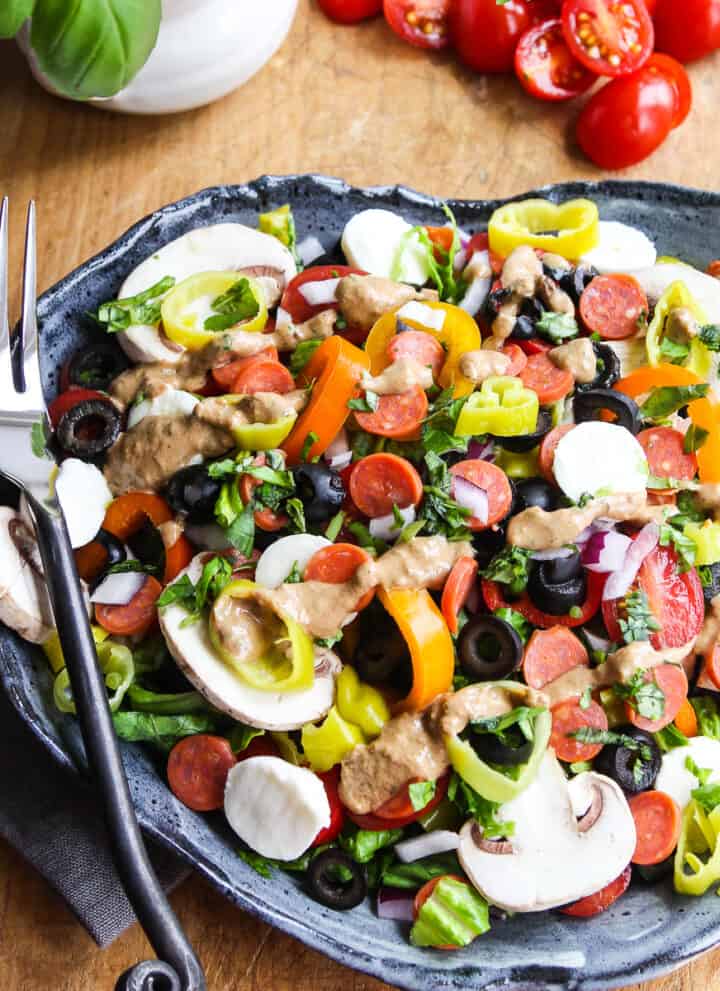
(350, 102)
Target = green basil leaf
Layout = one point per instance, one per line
(93, 48)
(670, 398)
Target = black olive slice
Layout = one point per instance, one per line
(526, 442)
(626, 765)
(192, 492)
(555, 597)
(320, 489)
(523, 328)
(576, 281)
(335, 880)
(489, 648)
(89, 428)
(147, 545)
(96, 368)
(536, 492)
(491, 748)
(609, 369)
(586, 406)
(711, 575)
(652, 873)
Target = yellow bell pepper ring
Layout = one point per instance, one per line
(287, 666)
(431, 648)
(459, 333)
(568, 229)
(503, 407)
(677, 296)
(327, 744)
(360, 704)
(200, 307)
(484, 779)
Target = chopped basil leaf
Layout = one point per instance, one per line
(710, 336)
(639, 621)
(557, 327)
(144, 308)
(335, 526)
(694, 438)
(421, 793)
(669, 398)
(302, 355)
(645, 697)
(511, 567)
(311, 439)
(234, 306)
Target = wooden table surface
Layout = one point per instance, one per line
(349, 102)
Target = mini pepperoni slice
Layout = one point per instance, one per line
(338, 564)
(399, 415)
(594, 904)
(657, 826)
(493, 481)
(551, 653)
(546, 379)
(424, 348)
(263, 376)
(567, 718)
(666, 457)
(518, 358)
(381, 481)
(457, 589)
(226, 374)
(611, 306)
(548, 446)
(197, 770)
(137, 616)
(672, 682)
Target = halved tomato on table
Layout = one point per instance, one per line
(545, 65)
(420, 22)
(350, 11)
(609, 37)
(398, 811)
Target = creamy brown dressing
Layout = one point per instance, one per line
(536, 529)
(322, 608)
(411, 746)
(523, 276)
(619, 667)
(399, 376)
(147, 456)
(480, 365)
(681, 325)
(363, 299)
(260, 407)
(171, 532)
(576, 357)
(247, 628)
(317, 328)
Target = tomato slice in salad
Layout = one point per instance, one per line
(350, 11)
(675, 600)
(294, 303)
(594, 904)
(398, 811)
(545, 65)
(420, 22)
(69, 399)
(494, 597)
(609, 37)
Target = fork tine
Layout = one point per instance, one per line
(25, 347)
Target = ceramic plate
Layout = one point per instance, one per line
(650, 930)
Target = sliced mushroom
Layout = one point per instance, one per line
(217, 248)
(191, 647)
(24, 602)
(556, 858)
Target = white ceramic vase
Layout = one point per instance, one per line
(205, 49)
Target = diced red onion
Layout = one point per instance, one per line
(386, 527)
(605, 551)
(460, 260)
(620, 581)
(427, 845)
(118, 589)
(483, 450)
(282, 319)
(322, 293)
(600, 525)
(395, 903)
(338, 453)
(309, 249)
(596, 642)
(476, 294)
(553, 554)
(471, 497)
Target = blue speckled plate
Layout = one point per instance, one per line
(651, 930)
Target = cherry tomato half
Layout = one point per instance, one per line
(398, 811)
(687, 29)
(545, 65)
(421, 22)
(485, 34)
(610, 37)
(350, 11)
(628, 119)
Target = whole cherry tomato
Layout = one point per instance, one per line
(628, 119)
(350, 11)
(687, 29)
(485, 33)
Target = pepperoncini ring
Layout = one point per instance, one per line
(118, 668)
(677, 296)
(327, 744)
(568, 229)
(203, 299)
(260, 436)
(359, 703)
(696, 823)
(503, 407)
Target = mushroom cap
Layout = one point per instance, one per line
(216, 248)
(571, 838)
(24, 603)
(191, 647)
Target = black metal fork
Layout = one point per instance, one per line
(21, 406)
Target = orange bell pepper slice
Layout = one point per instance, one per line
(458, 334)
(123, 517)
(336, 368)
(431, 648)
(704, 413)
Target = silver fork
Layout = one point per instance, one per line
(22, 404)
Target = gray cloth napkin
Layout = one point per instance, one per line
(52, 819)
